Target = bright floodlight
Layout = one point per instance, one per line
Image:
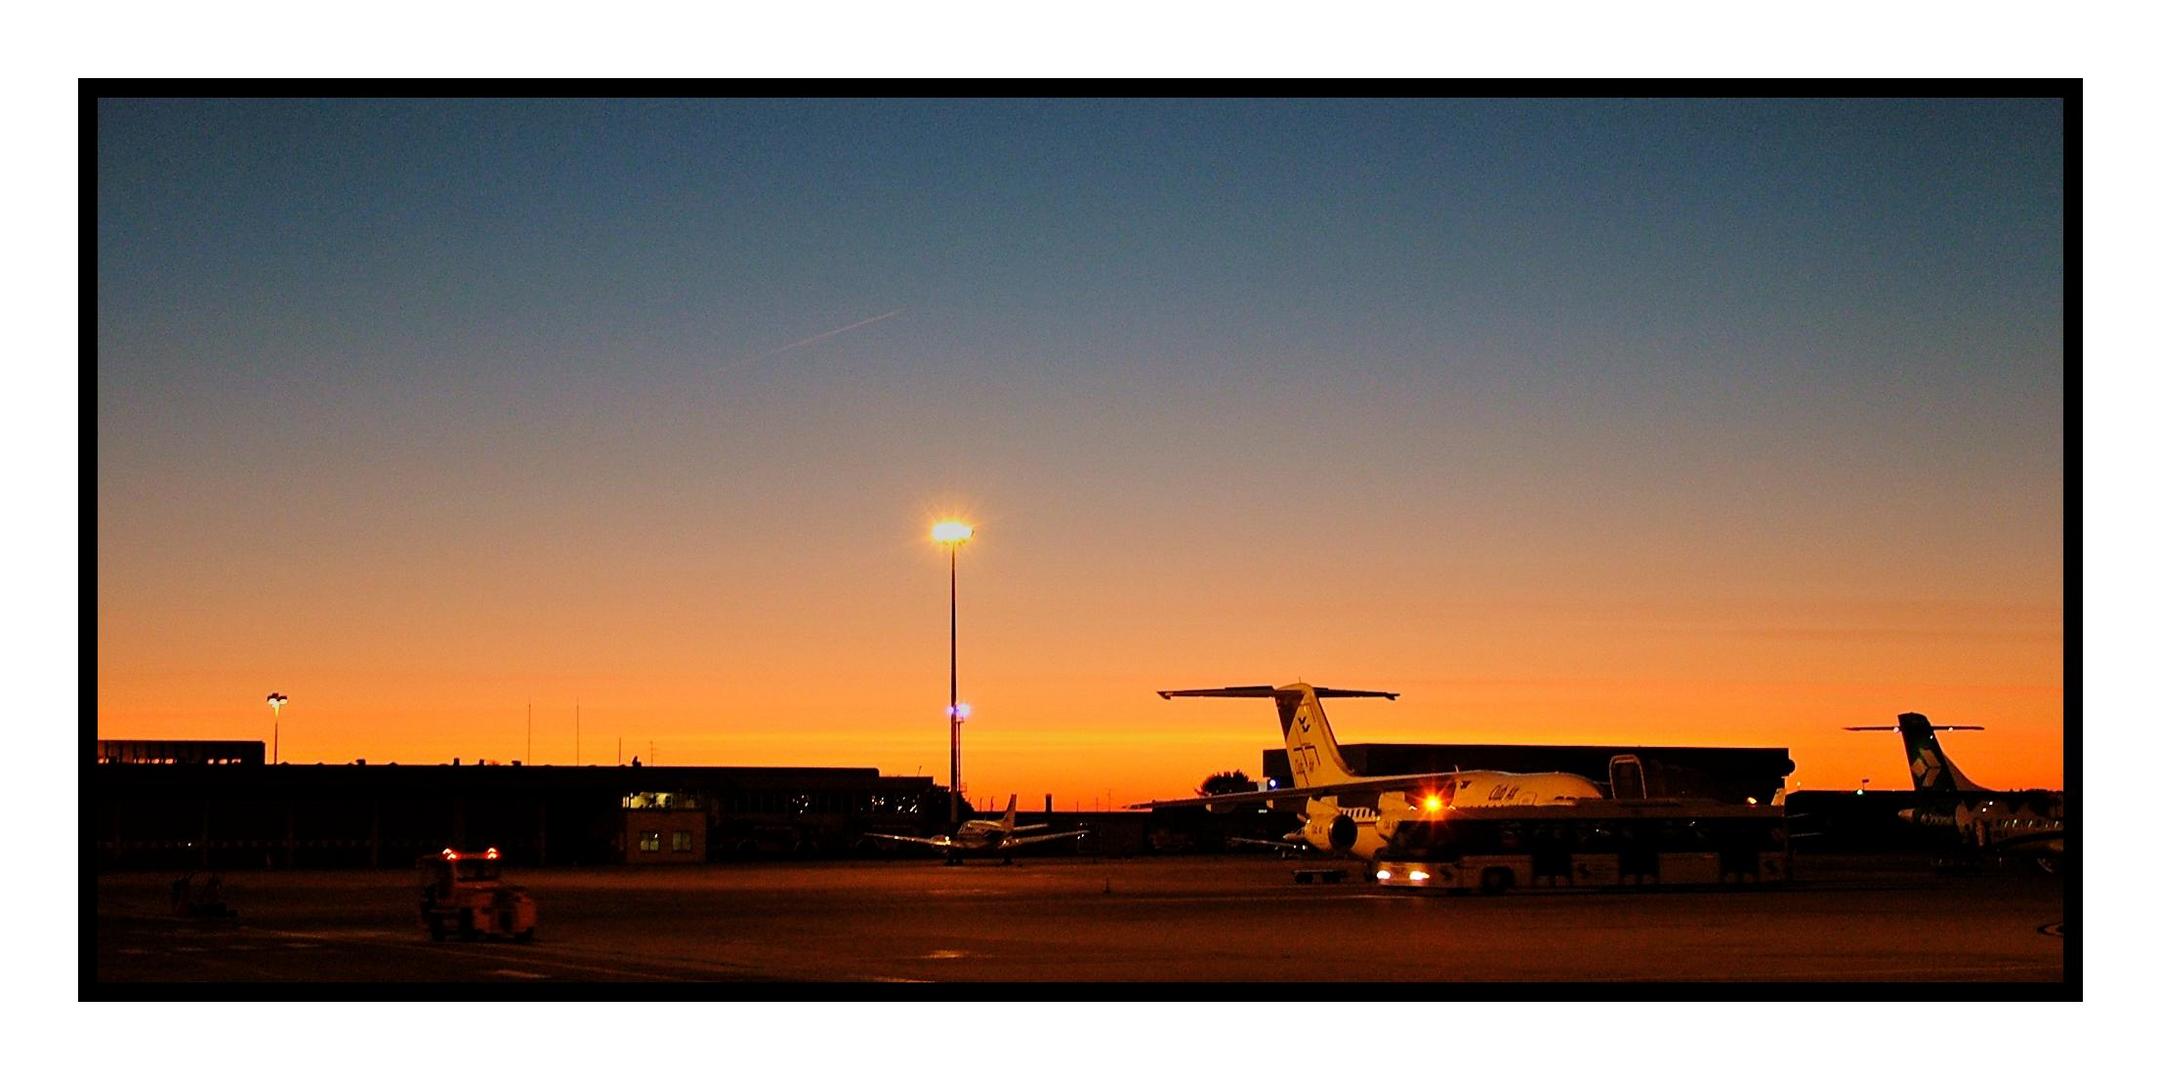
(960, 710)
(276, 701)
(951, 532)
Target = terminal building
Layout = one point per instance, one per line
(179, 752)
(191, 804)
(175, 805)
(1721, 774)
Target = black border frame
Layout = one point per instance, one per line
(2068, 90)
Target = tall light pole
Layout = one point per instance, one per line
(953, 534)
(276, 701)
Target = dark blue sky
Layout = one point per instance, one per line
(705, 224)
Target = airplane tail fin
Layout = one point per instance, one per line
(1011, 803)
(1307, 738)
(1932, 768)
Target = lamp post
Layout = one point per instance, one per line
(953, 534)
(276, 701)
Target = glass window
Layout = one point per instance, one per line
(679, 842)
(660, 800)
(648, 841)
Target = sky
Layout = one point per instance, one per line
(1644, 422)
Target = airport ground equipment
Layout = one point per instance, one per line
(463, 893)
(200, 896)
(1610, 843)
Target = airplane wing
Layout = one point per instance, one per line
(1038, 838)
(1029, 828)
(1279, 845)
(1360, 786)
(2049, 841)
(940, 842)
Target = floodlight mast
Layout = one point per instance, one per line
(953, 534)
(276, 701)
(952, 686)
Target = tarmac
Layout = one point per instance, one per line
(1177, 918)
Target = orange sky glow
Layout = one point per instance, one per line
(850, 670)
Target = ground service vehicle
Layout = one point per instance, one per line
(1613, 842)
(463, 893)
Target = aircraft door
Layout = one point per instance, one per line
(1624, 775)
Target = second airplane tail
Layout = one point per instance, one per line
(1932, 768)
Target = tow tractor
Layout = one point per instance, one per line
(463, 891)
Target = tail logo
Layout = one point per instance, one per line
(1306, 758)
(1927, 768)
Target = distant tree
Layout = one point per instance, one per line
(1226, 783)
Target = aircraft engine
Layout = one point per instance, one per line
(1331, 831)
(1342, 833)
(1315, 830)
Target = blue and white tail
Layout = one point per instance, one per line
(1932, 768)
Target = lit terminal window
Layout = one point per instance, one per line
(679, 841)
(660, 800)
(648, 841)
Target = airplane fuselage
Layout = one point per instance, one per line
(979, 840)
(1364, 831)
(2004, 821)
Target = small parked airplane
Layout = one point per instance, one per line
(986, 836)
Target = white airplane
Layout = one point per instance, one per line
(1356, 816)
(986, 836)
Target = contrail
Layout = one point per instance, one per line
(815, 338)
